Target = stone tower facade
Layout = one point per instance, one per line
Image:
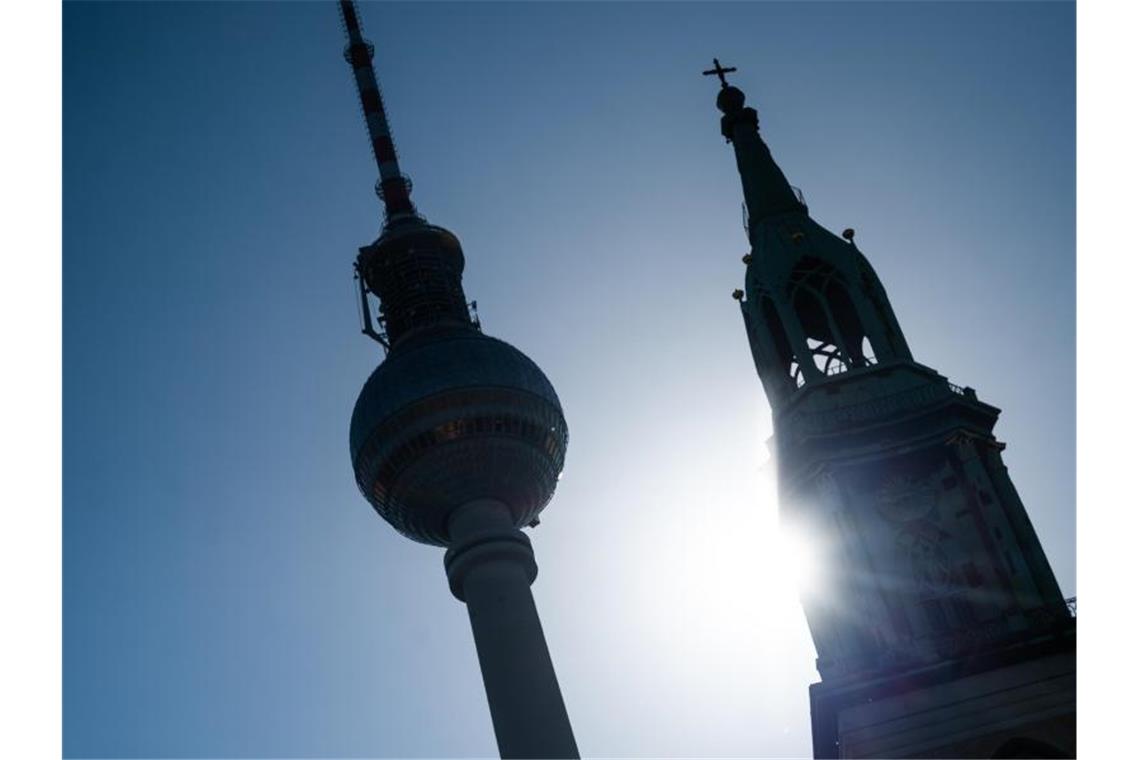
(939, 626)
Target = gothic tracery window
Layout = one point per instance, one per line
(780, 336)
(836, 341)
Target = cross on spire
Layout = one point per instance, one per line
(719, 71)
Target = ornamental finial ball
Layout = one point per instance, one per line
(730, 100)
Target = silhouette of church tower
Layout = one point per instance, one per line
(939, 626)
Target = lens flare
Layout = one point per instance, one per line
(798, 559)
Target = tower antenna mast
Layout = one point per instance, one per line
(393, 187)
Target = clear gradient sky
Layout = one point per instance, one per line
(227, 592)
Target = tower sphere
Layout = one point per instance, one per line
(730, 99)
(451, 417)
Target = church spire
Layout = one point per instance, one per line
(393, 187)
(812, 303)
(766, 189)
(932, 605)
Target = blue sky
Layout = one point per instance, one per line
(228, 592)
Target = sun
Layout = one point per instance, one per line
(796, 557)
(749, 582)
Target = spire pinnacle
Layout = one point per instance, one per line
(766, 189)
(393, 187)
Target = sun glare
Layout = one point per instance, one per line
(795, 558)
(745, 585)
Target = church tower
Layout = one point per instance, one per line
(939, 626)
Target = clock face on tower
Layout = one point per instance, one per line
(903, 498)
(920, 547)
(910, 502)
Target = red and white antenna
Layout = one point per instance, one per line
(393, 187)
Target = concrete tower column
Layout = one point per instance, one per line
(490, 566)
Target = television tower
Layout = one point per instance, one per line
(457, 440)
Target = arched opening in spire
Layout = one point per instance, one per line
(885, 336)
(847, 321)
(835, 335)
(789, 368)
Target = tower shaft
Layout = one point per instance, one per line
(490, 566)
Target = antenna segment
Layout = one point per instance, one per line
(393, 188)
